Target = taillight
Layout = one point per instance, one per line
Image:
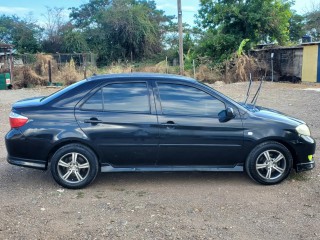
(17, 120)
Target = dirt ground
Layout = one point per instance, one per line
(166, 205)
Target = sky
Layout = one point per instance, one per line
(22, 8)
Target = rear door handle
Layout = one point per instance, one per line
(169, 124)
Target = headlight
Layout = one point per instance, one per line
(303, 130)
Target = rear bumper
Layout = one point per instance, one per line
(25, 152)
(30, 163)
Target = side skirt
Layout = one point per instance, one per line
(237, 168)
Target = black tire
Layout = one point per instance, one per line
(74, 166)
(269, 163)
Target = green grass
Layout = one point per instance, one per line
(80, 195)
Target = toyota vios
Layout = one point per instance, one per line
(153, 122)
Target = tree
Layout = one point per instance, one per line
(55, 22)
(121, 29)
(312, 22)
(6, 28)
(23, 34)
(296, 29)
(73, 41)
(86, 15)
(228, 22)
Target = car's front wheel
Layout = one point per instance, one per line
(269, 163)
(74, 166)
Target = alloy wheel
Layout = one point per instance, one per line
(73, 167)
(271, 164)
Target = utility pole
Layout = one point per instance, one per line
(180, 38)
(272, 54)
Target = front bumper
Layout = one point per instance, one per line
(305, 148)
(300, 167)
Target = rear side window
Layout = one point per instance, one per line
(179, 99)
(120, 97)
(94, 103)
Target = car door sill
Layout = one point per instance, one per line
(236, 168)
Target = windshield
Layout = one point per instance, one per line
(250, 107)
(62, 91)
(224, 96)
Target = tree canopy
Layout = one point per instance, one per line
(121, 29)
(21, 33)
(229, 22)
(312, 22)
(136, 30)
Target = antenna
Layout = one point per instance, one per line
(248, 91)
(255, 98)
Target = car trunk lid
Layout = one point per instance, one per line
(28, 102)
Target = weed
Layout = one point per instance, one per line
(68, 74)
(80, 195)
(141, 193)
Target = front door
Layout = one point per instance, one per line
(190, 130)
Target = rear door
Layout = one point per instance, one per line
(190, 130)
(120, 120)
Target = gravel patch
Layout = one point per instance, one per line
(189, 205)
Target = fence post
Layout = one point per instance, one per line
(11, 65)
(272, 54)
(49, 71)
(166, 64)
(194, 69)
(84, 65)
(226, 72)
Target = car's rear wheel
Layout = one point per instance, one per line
(269, 163)
(74, 166)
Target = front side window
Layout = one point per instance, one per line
(179, 99)
(120, 97)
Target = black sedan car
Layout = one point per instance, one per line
(153, 122)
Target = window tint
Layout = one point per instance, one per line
(94, 102)
(126, 97)
(120, 97)
(184, 100)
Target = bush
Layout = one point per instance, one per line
(68, 74)
(28, 78)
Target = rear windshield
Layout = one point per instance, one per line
(62, 91)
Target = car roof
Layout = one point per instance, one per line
(144, 76)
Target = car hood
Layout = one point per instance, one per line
(28, 102)
(271, 114)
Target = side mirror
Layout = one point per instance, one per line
(230, 113)
(226, 115)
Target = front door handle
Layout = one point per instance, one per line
(93, 121)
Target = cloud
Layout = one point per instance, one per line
(13, 10)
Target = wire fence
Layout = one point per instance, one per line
(54, 66)
(80, 59)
